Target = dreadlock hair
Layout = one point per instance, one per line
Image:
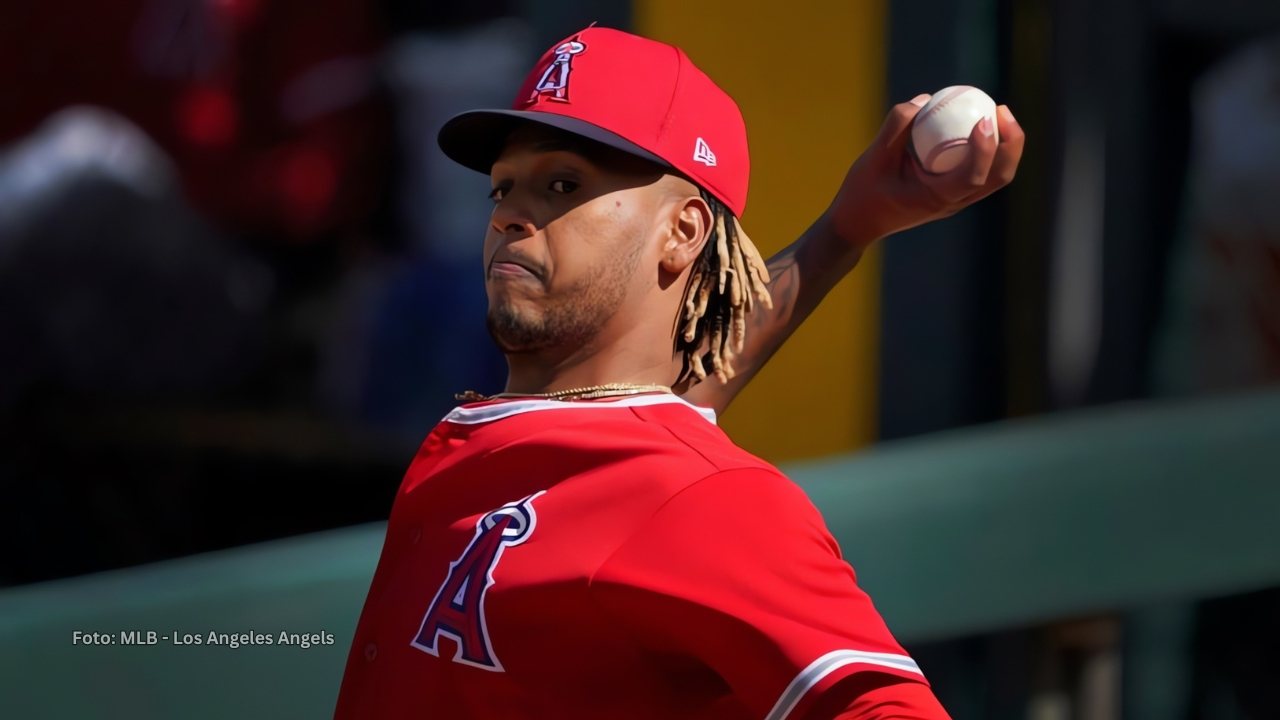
(728, 279)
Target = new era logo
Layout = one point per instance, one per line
(702, 153)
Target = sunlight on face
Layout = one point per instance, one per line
(570, 223)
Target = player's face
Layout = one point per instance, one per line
(569, 228)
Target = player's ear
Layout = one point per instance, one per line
(689, 229)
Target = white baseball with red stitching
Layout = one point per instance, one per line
(940, 131)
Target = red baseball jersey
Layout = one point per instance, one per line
(609, 559)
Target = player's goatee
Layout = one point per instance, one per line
(518, 332)
(573, 318)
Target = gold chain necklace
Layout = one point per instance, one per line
(590, 392)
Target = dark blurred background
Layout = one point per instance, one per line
(239, 283)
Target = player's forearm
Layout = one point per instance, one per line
(801, 275)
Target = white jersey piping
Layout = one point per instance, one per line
(499, 411)
(827, 664)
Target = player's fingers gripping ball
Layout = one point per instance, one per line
(940, 132)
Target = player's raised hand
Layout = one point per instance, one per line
(886, 191)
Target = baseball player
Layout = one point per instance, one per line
(588, 544)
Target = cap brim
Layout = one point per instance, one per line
(475, 139)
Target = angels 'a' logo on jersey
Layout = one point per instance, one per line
(457, 611)
(554, 83)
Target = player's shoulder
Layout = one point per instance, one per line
(758, 490)
(747, 514)
(693, 436)
(671, 445)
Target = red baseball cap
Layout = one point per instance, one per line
(632, 93)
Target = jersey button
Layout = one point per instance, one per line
(370, 652)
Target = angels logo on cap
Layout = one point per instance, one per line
(554, 84)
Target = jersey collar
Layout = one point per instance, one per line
(497, 411)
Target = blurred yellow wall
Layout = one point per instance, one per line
(810, 79)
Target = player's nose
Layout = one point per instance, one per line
(512, 219)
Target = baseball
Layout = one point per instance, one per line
(940, 131)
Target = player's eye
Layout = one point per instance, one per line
(499, 192)
(563, 187)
